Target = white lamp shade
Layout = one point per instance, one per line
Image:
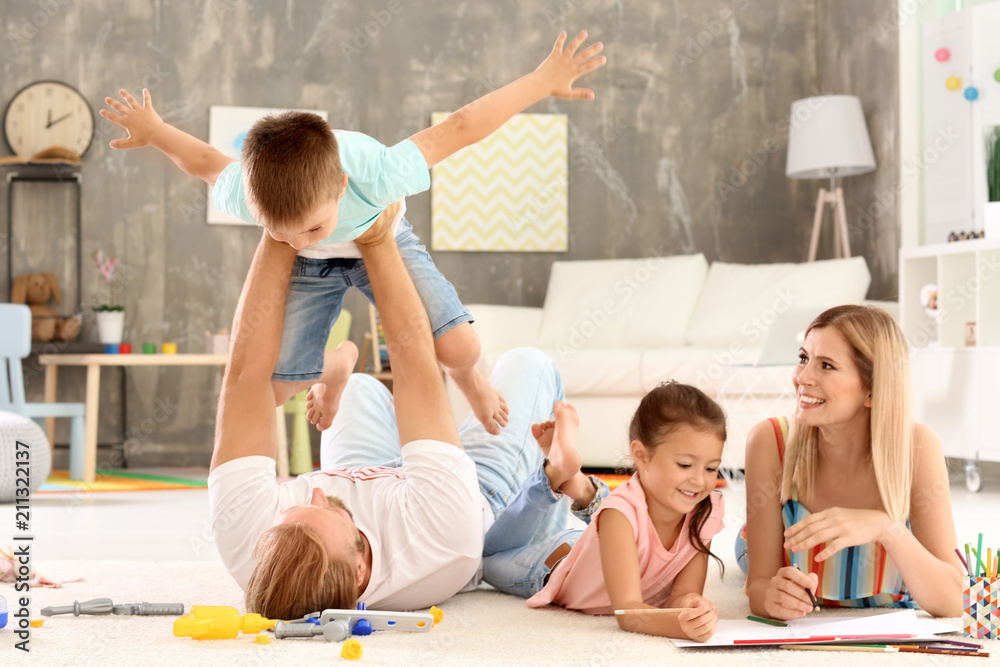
(827, 137)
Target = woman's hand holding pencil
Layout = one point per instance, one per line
(789, 594)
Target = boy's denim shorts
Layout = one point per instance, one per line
(316, 296)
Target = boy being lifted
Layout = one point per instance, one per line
(318, 190)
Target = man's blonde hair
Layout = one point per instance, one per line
(882, 357)
(291, 166)
(296, 575)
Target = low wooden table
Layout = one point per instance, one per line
(93, 363)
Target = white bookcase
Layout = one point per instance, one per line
(956, 387)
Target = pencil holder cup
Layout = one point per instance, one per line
(981, 617)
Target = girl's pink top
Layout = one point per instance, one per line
(578, 582)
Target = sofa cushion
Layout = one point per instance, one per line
(633, 303)
(606, 372)
(702, 367)
(740, 301)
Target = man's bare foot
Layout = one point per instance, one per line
(556, 440)
(323, 399)
(487, 404)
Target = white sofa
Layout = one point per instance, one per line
(616, 328)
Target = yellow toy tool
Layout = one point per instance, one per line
(206, 622)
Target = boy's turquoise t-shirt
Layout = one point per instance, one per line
(377, 176)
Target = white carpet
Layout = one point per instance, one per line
(479, 628)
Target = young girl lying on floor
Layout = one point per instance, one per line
(649, 542)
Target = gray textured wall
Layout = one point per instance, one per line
(694, 94)
(859, 54)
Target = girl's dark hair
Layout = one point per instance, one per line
(661, 412)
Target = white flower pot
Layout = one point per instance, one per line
(991, 219)
(110, 326)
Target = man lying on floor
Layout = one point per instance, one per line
(394, 534)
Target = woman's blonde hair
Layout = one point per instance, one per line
(882, 357)
(295, 575)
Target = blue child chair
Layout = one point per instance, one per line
(15, 345)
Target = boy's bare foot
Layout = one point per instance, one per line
(557, 443)
(486, 402)
(323, 399)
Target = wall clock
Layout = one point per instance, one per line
(48, 113)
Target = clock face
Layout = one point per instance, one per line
(45, 114)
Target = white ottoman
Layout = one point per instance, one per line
(15, 428)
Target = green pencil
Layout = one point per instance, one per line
(979, 560)
(768, 621)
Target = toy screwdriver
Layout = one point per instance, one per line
(101, 606)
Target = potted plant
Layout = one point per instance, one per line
(991, 210)
(110, 317)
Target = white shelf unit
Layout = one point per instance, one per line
(955, 386)
(955, 128)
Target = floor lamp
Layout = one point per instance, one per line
(828, 138)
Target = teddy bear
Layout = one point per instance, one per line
(35, 289)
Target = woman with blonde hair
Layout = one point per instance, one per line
(848, 500)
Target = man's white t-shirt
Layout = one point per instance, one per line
(425, 521)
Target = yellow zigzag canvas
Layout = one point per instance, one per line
(508, 193)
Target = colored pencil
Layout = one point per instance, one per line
(862, 649)
(968, 557)
(965, 563)
(958, 643)
(821, 639)
(989, 561)
(812, 598)
(959, 647)
(979, 560)
(769, 621)
(625, 612)
(941, 651)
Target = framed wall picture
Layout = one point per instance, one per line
(227, 128)
(507, 193)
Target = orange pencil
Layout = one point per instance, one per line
(940, 651)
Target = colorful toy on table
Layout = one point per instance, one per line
(209, 622)
(111, 348)
(101, 606)
(125, 348)
(149, 348)
(981, 598)
(338, 624)
(169, 348)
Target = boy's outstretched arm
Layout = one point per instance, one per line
(146, 128)
(480, 118)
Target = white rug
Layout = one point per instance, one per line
(479, 628)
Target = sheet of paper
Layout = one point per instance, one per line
(891, 623)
